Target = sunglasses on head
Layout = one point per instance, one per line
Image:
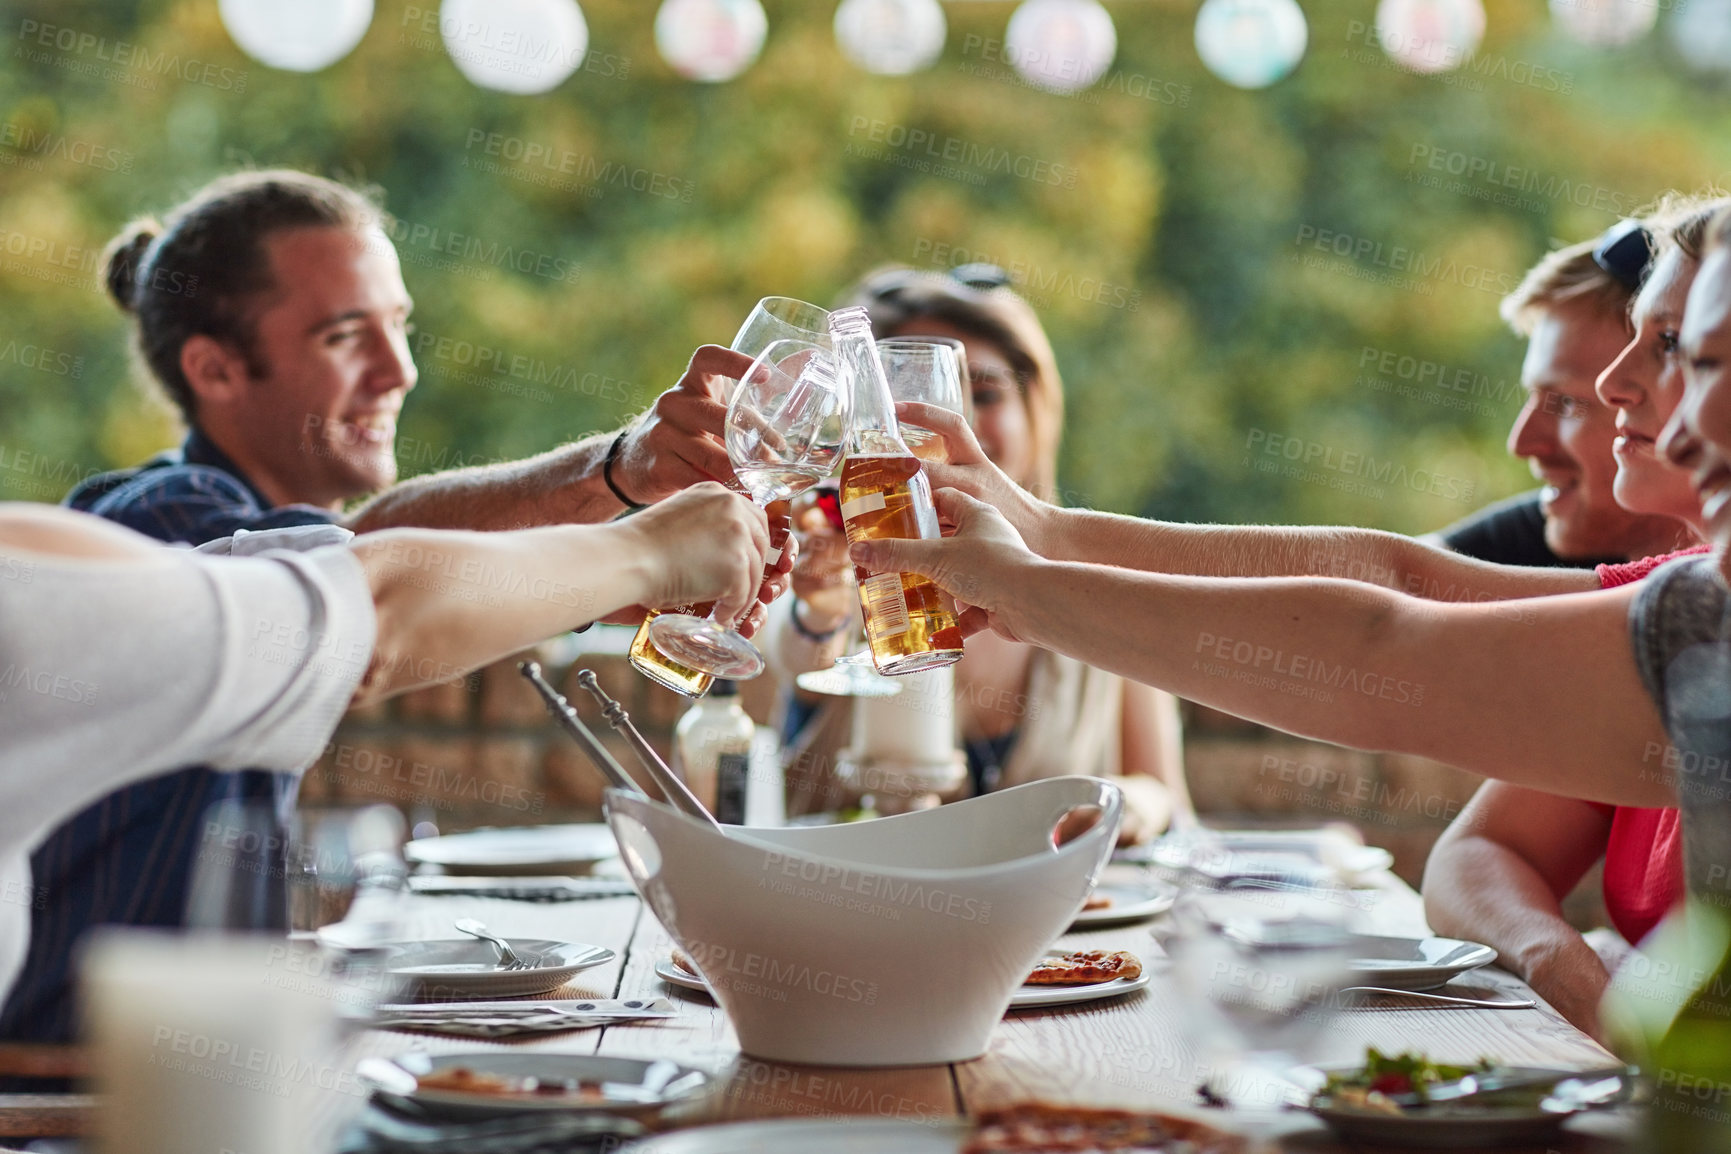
(1626, 252)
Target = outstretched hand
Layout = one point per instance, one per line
(984, 564)
(703, 544)
(974, 473)
(679, 442)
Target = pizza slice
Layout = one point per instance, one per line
(1046, 1128)
(1085, 968)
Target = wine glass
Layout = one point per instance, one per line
(786, 426)
(770, 320)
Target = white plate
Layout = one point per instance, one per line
(800, 1136)
(1415, 963)
(457, 968)
(1026, 998)
(1130, 903)
(542, 849)
(621, 1078)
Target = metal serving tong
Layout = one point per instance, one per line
(674, 790)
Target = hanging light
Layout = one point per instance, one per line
(710, 40)
(890, 37)
(518, 46)
(1251, 43)
(1430, 35)
(1606, 23)
(1061, 45)
(1701, 33)
(304, 36)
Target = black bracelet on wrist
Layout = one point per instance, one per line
(799, 626)
(607, 471)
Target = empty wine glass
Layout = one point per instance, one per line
(786, 426)
(781, 318)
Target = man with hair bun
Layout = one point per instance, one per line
(270, 309)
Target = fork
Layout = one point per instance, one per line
(1514, 1004)
(508, 959)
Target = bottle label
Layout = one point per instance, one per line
(885, 604)
(732, 771)
(864, 503)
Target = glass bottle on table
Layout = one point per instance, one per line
(770, 320)
(885, 495)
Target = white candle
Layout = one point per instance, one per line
(209, 1044)
(916, 726)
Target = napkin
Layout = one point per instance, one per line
(505, 1018)
(400, 1127)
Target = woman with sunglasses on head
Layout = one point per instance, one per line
(1022, 713)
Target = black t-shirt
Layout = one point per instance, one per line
(1511, 532)
(1680, 627)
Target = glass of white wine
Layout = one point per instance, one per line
(786, 426)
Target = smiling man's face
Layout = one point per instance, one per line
(331, 339)
(1565, 434)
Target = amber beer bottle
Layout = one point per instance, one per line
(885, 494)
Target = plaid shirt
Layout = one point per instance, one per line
(129, 858)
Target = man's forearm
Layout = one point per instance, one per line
(561, 486)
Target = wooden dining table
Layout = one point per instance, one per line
(1131, 1051)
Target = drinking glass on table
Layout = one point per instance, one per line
(770, 320)
(1260, 963)
(786, 426)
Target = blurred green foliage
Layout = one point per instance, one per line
(1157, 228)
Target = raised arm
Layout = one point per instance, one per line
(1544, 695)
(676, 444)
(1390, 560)
(449, 601)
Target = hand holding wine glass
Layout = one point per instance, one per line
(786, 426)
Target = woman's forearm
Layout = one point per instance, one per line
(1546, 695)
(1371, 555)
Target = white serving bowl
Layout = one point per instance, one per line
(895, 942)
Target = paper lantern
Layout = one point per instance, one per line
(890, 37)
(1430, 35)
(304, 36)
(1701, 33)
(1251, 43)
(710, 40)
(518, 46)
(1606, 23)
(1061, 45)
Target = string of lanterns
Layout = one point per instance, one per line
(525, 47)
